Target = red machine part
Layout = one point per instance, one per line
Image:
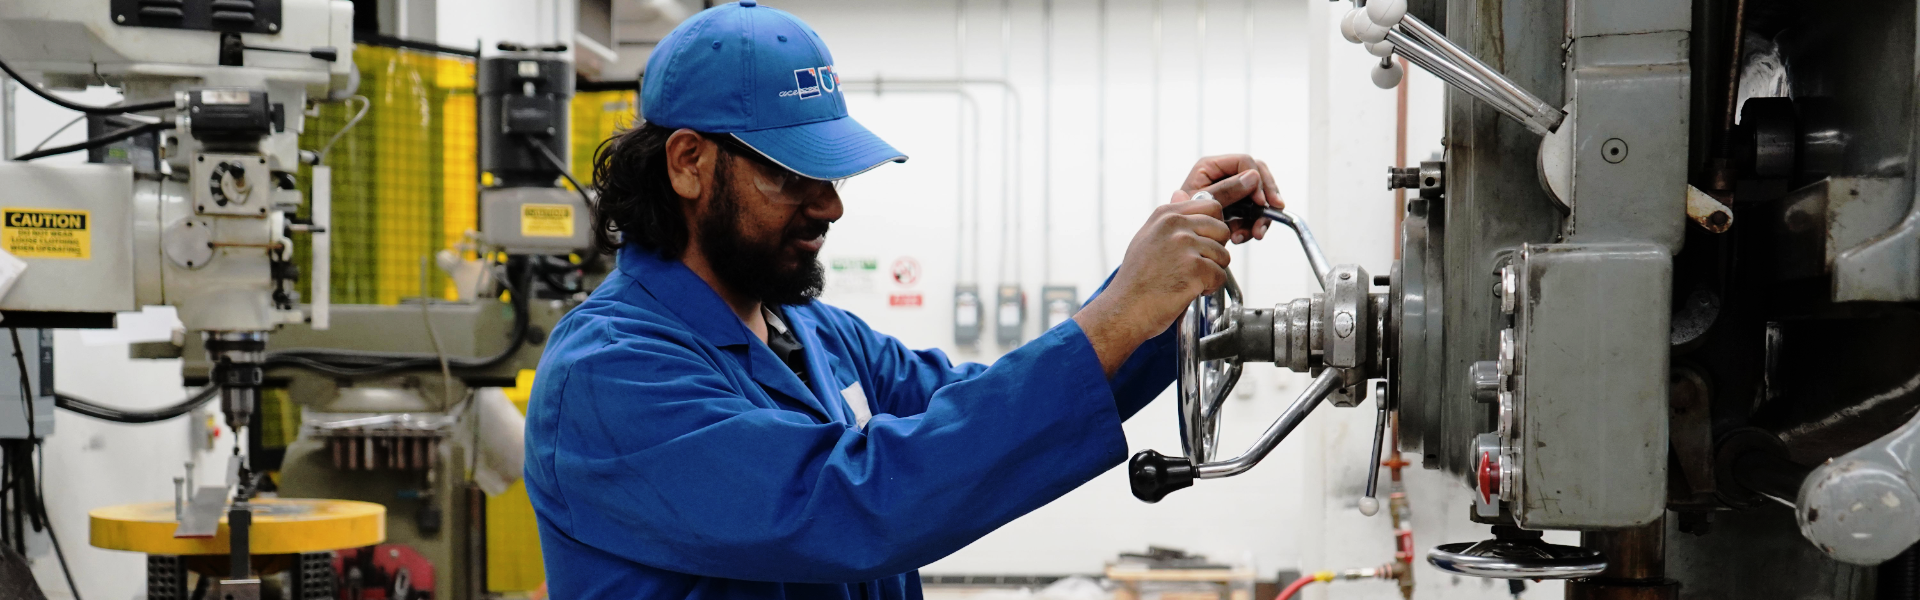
(1488, 473)
(383, 572)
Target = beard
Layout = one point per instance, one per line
(759, 267)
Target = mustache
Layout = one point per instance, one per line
(807, 229)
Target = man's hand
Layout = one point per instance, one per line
(1213, 169)
(1179, 254)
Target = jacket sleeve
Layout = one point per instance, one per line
(904, 380)
(656, 458)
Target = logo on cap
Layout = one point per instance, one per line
(811, 82)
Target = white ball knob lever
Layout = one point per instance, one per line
(1347, 23)
(1387, 74)
(1369, 506)
(1368, 31)
(1381, 49)
(1386, 13)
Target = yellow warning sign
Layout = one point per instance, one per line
(46, 233)
(546, 220)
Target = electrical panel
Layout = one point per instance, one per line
(36, 349)
(1058, 303)
(967, 314)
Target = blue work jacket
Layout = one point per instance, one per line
(670, 454)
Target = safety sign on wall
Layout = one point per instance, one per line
(46, 233)
(853, 275)
(906, 273)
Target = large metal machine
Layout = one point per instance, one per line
(1661, 290)
(202, 213)
(204, 221)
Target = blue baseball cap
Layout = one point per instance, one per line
(764, 77)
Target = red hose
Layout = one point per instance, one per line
(1295, 587)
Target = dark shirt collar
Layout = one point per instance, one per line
(785, 343)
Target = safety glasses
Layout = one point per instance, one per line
(774, 182)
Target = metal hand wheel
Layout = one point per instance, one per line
(1205, 380)
(1516, 554)
(1208, 372)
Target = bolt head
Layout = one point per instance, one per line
(1343, 324)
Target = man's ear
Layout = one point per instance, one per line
(689, 163)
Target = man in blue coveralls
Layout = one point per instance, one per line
(702, 427)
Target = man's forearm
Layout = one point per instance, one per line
(1113, 331)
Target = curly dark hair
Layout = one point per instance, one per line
(636, 203)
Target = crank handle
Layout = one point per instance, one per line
(1249, 211)
(1153, 475)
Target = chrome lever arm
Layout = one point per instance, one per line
(1544, 116)
(1386, 28)
(1316, 257)
(1309, 399)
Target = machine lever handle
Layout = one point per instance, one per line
(1249, 211)
(1154, 475)
(1370, 502)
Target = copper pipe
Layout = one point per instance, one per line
(1399, 161)
(1733, 68)
(1400, 512)
(1639, 553)
(1394, 463)
(1636, 565)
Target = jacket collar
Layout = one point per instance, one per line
(689, 297)
(686, 295)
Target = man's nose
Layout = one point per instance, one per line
(825, 206)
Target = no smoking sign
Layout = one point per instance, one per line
(906, 271)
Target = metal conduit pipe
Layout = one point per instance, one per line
(960, 205)
(1200, 78)
(7, 126)
(1010, 253)
(1100, 137)
(1153, 147)
(1046, 142)
(968, 111)
(1247, 54)
(971, 104)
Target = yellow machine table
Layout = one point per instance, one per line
(286, 532)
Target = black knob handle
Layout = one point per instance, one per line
(1154, 476)
(1246, 210)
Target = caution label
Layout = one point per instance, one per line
(546, 220)
(44, 233)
